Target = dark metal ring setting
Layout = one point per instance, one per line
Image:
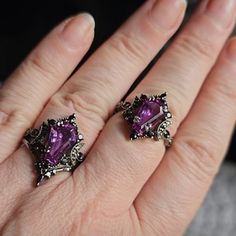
(148, 117)
(56, 147)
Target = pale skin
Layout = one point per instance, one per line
(124, 187)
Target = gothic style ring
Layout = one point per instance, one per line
(56, 146)
(148, 117)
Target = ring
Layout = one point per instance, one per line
(148, 117)
(56, 147)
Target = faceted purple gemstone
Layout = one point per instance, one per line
(60, 141)
(149, 112)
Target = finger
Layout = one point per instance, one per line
(178, 186)
(27, 90)
(103, 80)
(134, 162)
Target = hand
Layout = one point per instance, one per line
(123, 187)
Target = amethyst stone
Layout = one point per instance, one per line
(149, 112)
(60, 141)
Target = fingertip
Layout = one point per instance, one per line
(78, 29)
(166, 14)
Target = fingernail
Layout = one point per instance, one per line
(222, 11)
(77, 29)
(231, 49)
(166, 13)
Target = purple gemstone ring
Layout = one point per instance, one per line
(148, 117)
(56, 147)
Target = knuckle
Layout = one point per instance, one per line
(128, 44)
(196, 45)
(16, 117)
(20, 118)
(196, 158)
(225, 88)
(87, 105)
(40, 65)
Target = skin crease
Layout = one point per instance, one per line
(123, 187)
